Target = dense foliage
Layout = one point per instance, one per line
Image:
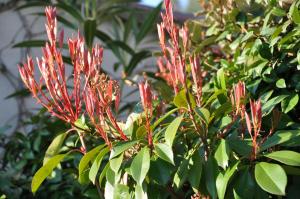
(218, 120)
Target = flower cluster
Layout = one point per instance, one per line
(52, 91)
(173, 68)
(90, 86)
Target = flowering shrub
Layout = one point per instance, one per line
(205, 143)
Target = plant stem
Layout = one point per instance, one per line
(192, 116)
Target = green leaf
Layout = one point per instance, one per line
(223, 179)
(221, 82)
(103, 36)
(54, 147)
(280, 83)
(204, 114)
(96, 164)
(136, 58)
(140, 192)
(160, 171)
(45, 171)
(286, 157)
(70, 9)
(85, 160)
(103, 173)
(294, 13)
(121, 191)
(271, 178)
(165, 116)
(172, 130)
(180, 100)
(140, 165)
(115, 163)
(165, 152)
(181, 173)
(121, 147)
(245, 184)
(289, 103)
(30, 43)
(280, 137)
(195, 172)
(270, 104)
(148, 23)
(242, 147)
(89, 31)
(211, 172)
(222, 154)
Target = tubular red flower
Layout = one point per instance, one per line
(237, 96)
(146, 98)
(255, 124)
(197, 75)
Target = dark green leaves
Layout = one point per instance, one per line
(89, 31)
(140, 165)
(271, 178)
(45, 171)
(148, 23)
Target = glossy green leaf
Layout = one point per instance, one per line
(121, 191)
(294, 13)
(286, 157)
(222, 154)
(45, 171)
(115, 163)
(204, 114)
(140, 191)
(96, 164)
(221, 81)
(182, 173)
(223, 179)
(289, 103)
(140, 165)
(270, 104)
(180, 100)
(172, 130)
(121, 147)
(280, 83)
(195, 172)
(165, 116)
(271, 177)
(85, 161)
(211, 172)
(280, 137)
(54, 147)
(165, 152)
